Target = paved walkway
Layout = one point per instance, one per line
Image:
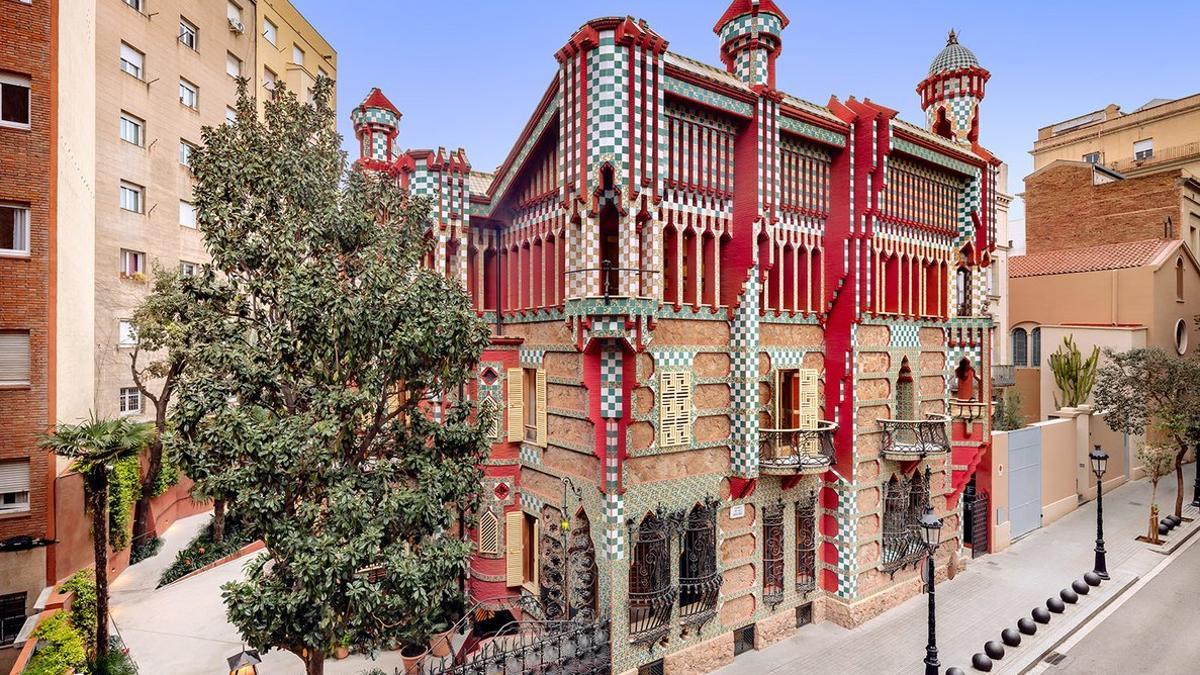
(989, 596)
(181, 628)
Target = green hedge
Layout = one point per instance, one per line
(60, 647)
(83, 607)
(124, 484)
(202, 551)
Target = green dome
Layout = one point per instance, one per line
(953, 57)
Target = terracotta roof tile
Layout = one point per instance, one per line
(1121, 255)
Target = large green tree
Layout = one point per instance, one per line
(314, 407)
(96, 446)
(1147, 389)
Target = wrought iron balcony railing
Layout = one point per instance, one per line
(1004, 375)
(796, 451)
(907, 440)
(968, 411)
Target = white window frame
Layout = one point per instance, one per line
(126, 333)
(17, 340)
(137, 124)
(128, 397)
(270, 82)
(297, 54)
(187, 214)
(22, 81)
(21, 231)
(135, 4)
(189, 34)
(233, 65)
(1143, 149)
(233, 12)
(188, 268)
(270, 31)
(136, 67)
(132, 262)
(230, 115)
(14, 482)
(185, 152)
(189, 90)
(133, 197)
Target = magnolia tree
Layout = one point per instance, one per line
(1149, 389)
(307, 405)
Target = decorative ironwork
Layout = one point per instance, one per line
(968, 411)
(975, 524)
(651, 595)
(909, 440)
(607, 269)
(699, 578)
(537, 647)
(796, 451)
(772, 524)
(905, 500)
(553, 572)
(743, 640)
(806, 543)
(581, 565)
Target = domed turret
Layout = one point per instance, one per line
(751, 36)
(376, 124)
(951, 94)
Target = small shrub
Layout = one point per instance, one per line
(60, 648)
(83, 607)
(115, 662)
(203, 551)
(1008, 412)
(147, 550)
(167, 477)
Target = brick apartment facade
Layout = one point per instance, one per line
(27, 126)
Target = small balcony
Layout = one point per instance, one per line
(910, 440)
(788, 452)
(967, 411)
(1004, 375)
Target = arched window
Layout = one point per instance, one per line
(1020, 347)
(699, 578)
(905, 500)
(489, 534)
(651, 596)
(1035, 347)
(964, 291)
(806, 543)
(772, 533)
(1179, 279)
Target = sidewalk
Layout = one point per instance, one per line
(993, 592)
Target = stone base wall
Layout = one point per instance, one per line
(853, 614)
(702, 658)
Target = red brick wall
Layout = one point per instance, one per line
(1064, 210)
(26, 170)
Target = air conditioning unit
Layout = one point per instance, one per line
(236, 26)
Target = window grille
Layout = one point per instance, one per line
(773, 554)
(1020, 347)
(699, 578)
(489, 534)
(553, 573)
(904, 502)
(804, 615)
(652, 668)
(651, 596)
(806, 543)
(743, 640)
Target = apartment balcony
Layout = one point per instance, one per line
(1177, 153)
(1004, 375)
(789, 452)
(910, 440)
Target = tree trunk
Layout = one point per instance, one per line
(98, 485)
(218, 521)
(141, 512)
(314, 662)
(1179, 481)
(1152, 533)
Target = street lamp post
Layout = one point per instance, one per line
(1099, 460)
(1196, 485)
(931, 532)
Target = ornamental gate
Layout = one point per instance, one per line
(1025, 480)
(975, 519)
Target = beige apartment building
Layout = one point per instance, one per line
(1161, 135)
(290, 51)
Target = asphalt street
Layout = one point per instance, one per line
(1155, 631)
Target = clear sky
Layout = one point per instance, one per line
(469, 72)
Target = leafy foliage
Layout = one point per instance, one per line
(167, 478)
(204, 550)
(124, 482)
(1156, 462)
(303, 403)
(1008, 412)
(1073, 375)
(144, 550)
(83, 606)
(61, 647)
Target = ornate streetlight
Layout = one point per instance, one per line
(931, 533)
(1099, 460)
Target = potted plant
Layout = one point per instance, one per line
(413, 656)
(341, 649)
(444, 624)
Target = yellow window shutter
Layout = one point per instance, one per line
(807, 403)
(674, 408)
(513, 522)
(537, 552)
(780, 423)
(516, 405)
(541, 407)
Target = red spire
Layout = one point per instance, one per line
(376, 99)
(739, 7)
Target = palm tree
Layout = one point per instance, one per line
(96, 446)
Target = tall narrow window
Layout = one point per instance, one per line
(185, 153)
(806, 543)
(1179, 280)
(126, 333)
(189, 94)
(14, 229)
(187, 214)
(772, 533)
(269, 82)
(1035, 347)
(233, 65)
(674, 408)
(902, 542)
(297, 55)
(132, 129)
(132, 61)
(14, 100)
(270, 31)
(132, 197)
(189, 36)
(1020, 347)
(651, 596)
(699, 578)
(610, 248)
(963, 289)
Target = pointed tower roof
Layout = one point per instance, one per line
(376, 99)
(740, 7)
(953, 57)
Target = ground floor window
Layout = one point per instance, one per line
(651, 596)
(905, 500)
(12, 616)
(806, 543)
(699, 578)
(772, 533)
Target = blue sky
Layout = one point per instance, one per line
(469, 72)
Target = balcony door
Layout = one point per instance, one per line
(796, 396)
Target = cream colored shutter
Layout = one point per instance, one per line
(513, 522)
(14, 358)
(675, 408)
(14, 476)
(536, 565)
(780, 423)
(807, 404)
(541, 407)
(516, 405)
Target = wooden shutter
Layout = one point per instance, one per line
(516, 405)
(541, 407)
(675, 408)
(513, 547)
(489, 534)
(14, 357)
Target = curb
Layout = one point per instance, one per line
(1168, 547)
(240, 553)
